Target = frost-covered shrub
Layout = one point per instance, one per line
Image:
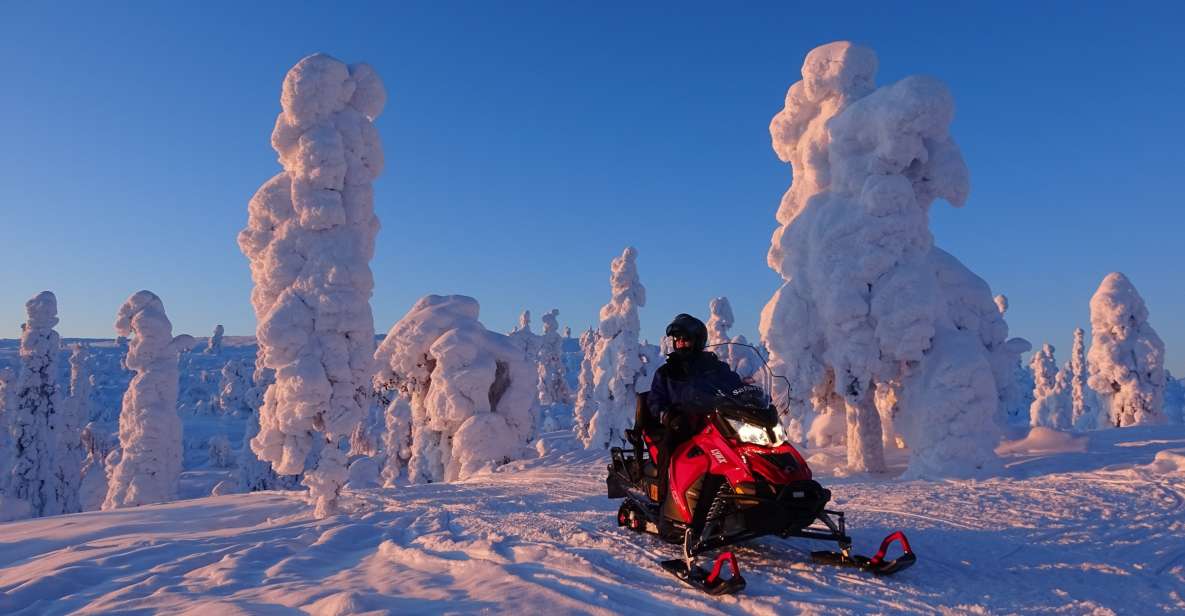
(553, 378)
(36, 478)
(149, 468)
(218, 452)
(214, 346)
(1126, 356)
(866, 294)
(310, 237)
(1051, 399)
(464, 398)
(605, 406)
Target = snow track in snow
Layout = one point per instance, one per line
(1071, 533)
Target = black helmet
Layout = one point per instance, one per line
(687, 326)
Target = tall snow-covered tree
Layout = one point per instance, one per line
(214, 347)
(618, 368)
(1126, 356)
(553, 379)
(866, 294)
(149, 466)
(1051, 400)
(1084, 406)
(310, 236)
(463, 397)
(38, 401)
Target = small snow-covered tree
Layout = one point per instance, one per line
(1051, 401)
(585, 405)
(149, 467)
(866, 294)
(523, 338)
(720, 320)
(234, 387)
(98, 443)
(310, 237)
(464, 398)
(1084, 413)
(38, 401)
(68, 426)
(10, 507)
(1012, 379)
(618, 371)
(1174, 399)
(1126, 356)
(214, 347)
(218, 452)
(553, 379)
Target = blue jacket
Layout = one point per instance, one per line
(687, 384)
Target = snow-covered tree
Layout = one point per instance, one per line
(218, 452)
(464, 398)
(1084, 407)
(98, 443)
(618, 368)
(1174, 399)
(67, 428)
(234, 387)
(1126, 356)
(38, 400)
(720, 320)
(11, 508)
(553, 379)
(866, 294)
(583, 399)
(149, 467)
(524, 339)
(310, 237)
(1013, 380)
(214, 347)
(1051, 400)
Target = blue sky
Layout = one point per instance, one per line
(528, 143)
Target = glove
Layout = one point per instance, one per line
(674, 421)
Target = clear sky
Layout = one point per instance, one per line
(528, 143)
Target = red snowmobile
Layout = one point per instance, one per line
(734, 480)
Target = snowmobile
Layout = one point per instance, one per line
(735, 479)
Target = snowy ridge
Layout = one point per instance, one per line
(1094, 531)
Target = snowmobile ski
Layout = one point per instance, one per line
(877, 564)
(710, 582)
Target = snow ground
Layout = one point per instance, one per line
(1062, 530)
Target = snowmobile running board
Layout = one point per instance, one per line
(711, 583)
(877, 564)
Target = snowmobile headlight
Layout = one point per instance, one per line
(758, 435)
(750, 433)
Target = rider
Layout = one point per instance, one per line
(690, 376)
